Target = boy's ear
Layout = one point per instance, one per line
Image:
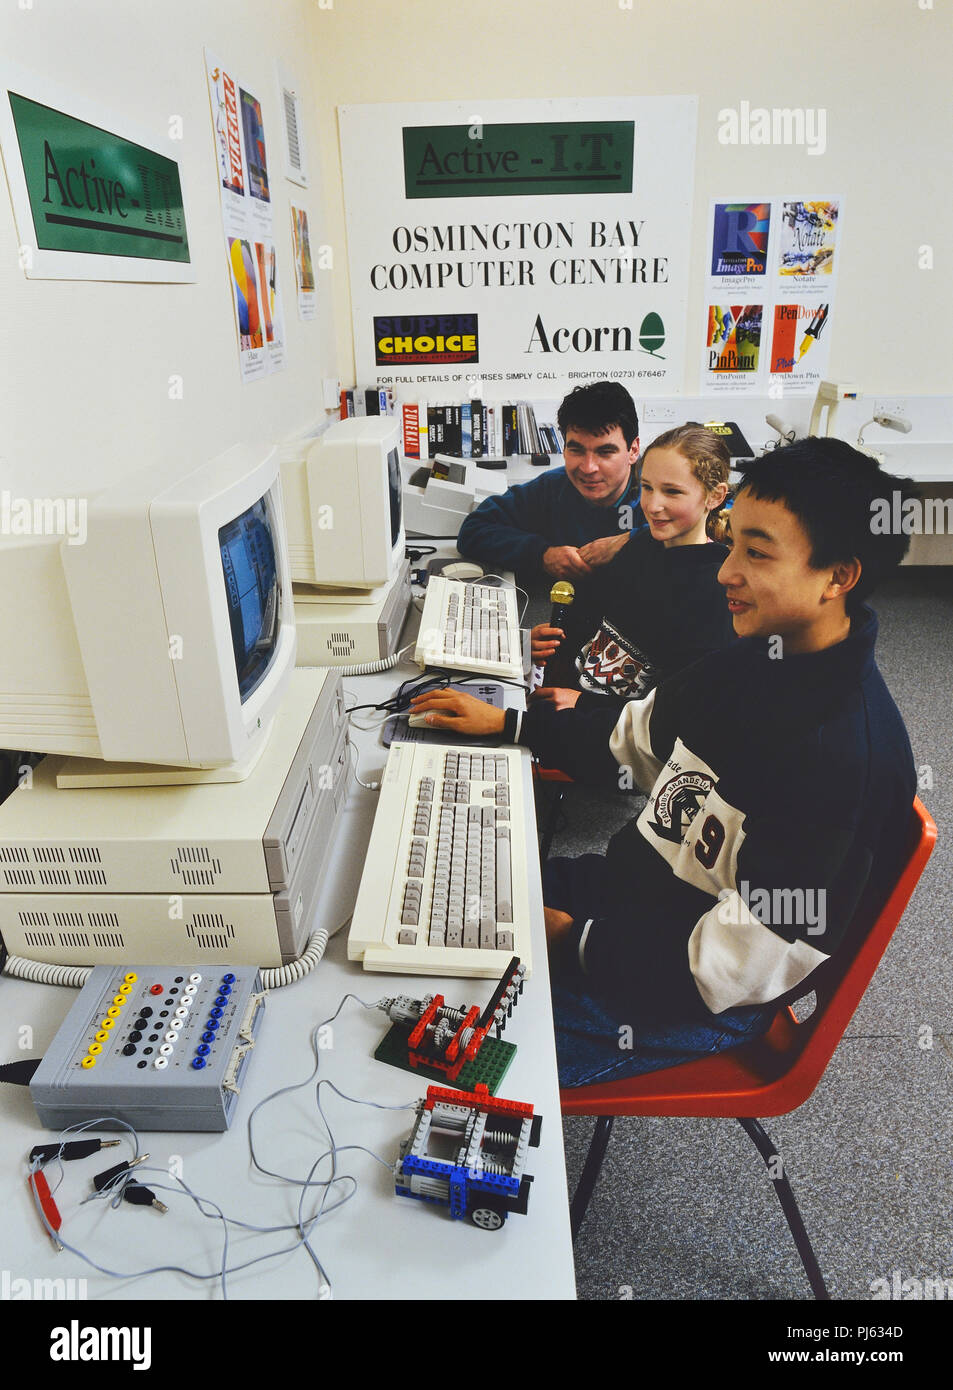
(844, 576)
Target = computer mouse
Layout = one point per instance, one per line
(462, 569)
(417, 721)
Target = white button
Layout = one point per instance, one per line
(166, 1048)
(160, 1062)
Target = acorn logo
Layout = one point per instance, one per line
(652, 335)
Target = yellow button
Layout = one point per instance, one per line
(94, 1049)
(107, 1023)
(88, 1062)
(131, 978)
(125, 990)
(102, 1035)
(119, 1000)
(113, 1012)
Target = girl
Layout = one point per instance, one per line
(657, 606)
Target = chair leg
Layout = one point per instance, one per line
(789, 1206)
(550, 829)
(590, 1173)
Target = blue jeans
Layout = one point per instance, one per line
(592, 1042)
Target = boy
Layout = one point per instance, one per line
(568, 521)
(779, 779)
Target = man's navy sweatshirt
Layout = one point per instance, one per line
(777, 788)
(513, 530)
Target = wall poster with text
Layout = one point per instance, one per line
(520, 248)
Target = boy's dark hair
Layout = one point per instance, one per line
(842, 498)
(598, 408)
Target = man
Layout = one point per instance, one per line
(779, 777)
(568, 521)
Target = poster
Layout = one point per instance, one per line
(782, 255)
(519, 248)
(304, 265)
(247, 221)
(94, 197)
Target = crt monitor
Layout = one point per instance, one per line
(167, 635)
(344, 504)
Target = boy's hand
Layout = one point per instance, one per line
(463, 714)
(544, 640)
(565, 562)
(606, 548)
(558, 927)
(558, 695)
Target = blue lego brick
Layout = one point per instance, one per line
(458, 1193)
(413, 1164)
(490, 1182)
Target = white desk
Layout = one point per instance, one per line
(378, 1246)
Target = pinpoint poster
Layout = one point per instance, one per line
(732, 346)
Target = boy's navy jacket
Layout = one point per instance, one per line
(513, 530)
(777, 785)
(647, 614)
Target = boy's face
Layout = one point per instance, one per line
(599, 465)
(771, 587)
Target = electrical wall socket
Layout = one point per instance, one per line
(889, 405)
(658, 413)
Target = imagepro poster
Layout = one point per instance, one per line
(519, 247)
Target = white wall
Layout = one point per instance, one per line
(881, 69)
(84, 366)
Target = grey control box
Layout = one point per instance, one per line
(156, 1046)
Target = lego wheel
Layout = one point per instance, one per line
(489, 1216)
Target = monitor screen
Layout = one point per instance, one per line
(395, 484)
(253, 591)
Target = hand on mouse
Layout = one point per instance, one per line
(464, 714)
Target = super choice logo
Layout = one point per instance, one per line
(426, 338)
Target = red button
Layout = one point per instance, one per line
(157, 989)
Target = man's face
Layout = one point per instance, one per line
(598, 465)
(772, 589)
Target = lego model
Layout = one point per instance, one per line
(467, 1150)
(441, 1041)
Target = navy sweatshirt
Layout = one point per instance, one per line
(647, 614)
(776, 788)
(513, 530)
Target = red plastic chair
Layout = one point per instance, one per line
(772, 1075)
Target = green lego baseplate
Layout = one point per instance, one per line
(489, 1066)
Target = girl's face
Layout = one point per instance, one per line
(675, 503)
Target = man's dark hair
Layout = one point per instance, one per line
(598, 408)
(843, 499)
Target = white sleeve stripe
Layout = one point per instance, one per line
(519, 725)
(737, 960)
(582, 946)
(631, 746)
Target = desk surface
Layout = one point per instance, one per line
(376, 1246)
